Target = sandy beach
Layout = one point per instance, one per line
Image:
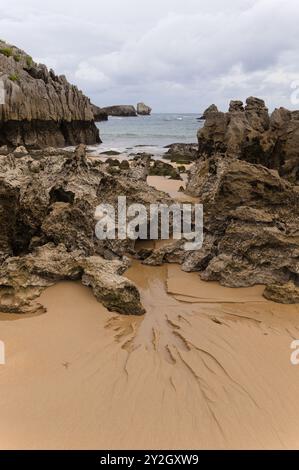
(191, 373)
(207, 367)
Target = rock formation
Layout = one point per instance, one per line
(47, 215)
(41, 109)
(123, 110)
(98, 113)
(160, 168)
(143, 109)
(246, 177)
(182, 153)
(252, 215)
(250, 134)
(211, 109)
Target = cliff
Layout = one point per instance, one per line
(40, 108)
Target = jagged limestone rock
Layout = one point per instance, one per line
(249, 133)
(51, 198)
(41, 109)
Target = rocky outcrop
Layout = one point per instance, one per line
(122, 110)
(47, 214)
(182, 153)
(109, 287)
(246, 178)
(253, 216)
(143, 109)
(285, 294)
(250, 133)
(41, 109)
(160, 168)
(211, 109)
(23, 278)
(98, 114)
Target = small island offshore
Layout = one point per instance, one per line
(126, 342)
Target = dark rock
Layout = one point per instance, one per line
(41, 109)
(143, 109)
(99, 114)
(112, 162)
(160, 168)
(124, 165)
(122, 110)
(111, 153)
(236, 106)
(182, 153)
(182, 169)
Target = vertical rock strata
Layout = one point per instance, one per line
(40, 108)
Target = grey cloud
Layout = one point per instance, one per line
(178, 56)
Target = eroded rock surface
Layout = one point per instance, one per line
(246, 177)
(249, 133)
(251, 236)
(211, 109)
(253, 215)
(286, 294)
(182, 153)
(41, 109)
(143, 109)
(47, 215)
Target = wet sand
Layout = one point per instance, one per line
(207, 367)
(186, 375)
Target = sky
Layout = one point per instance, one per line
(175, 55)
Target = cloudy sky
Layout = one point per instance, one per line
(176, 55)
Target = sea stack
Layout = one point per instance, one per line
(38, 108)
(99, 114)
(143, 109)
(121, 110)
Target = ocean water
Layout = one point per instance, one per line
(147, 133)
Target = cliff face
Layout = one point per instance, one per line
(41, 108)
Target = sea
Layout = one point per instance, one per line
(147, 133)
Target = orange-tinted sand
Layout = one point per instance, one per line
(186, 375)
(207, 367)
